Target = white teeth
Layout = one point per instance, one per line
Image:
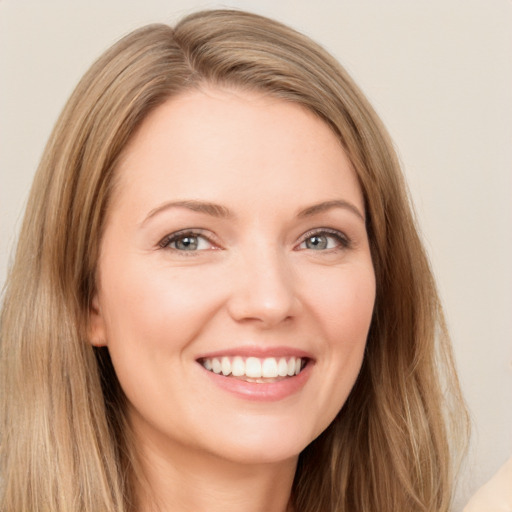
(291, 367)
(298, 366)
(216, 365)
(253, 367)
(237, 367)
(269, 368)
(282, 367)
(226, 366)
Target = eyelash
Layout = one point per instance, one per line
(342, 241)
(180, 235)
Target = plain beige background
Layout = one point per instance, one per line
(439, 73)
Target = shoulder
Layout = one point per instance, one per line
(496, 494)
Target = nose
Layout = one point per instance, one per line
(263, 289)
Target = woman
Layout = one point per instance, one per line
(219, 297)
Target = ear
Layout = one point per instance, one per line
(96, 326)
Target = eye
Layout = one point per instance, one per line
(324, 240)
(188, 241)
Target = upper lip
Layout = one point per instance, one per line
(259, 351)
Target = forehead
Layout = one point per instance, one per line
(223, 144)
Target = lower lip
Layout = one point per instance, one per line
(265, 391)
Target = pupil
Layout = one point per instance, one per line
(316, 242)
(187, 243)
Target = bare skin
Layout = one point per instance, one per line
(236, 238)
(209, 484)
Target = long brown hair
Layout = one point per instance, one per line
(64, 444)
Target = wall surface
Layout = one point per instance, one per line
(440, 75)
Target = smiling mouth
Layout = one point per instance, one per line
(254, 369)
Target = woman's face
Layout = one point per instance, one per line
(235, 283)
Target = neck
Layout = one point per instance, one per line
(183, 480)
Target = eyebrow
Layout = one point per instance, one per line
(328, 205)
(216, 210)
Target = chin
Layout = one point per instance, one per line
(265, 444)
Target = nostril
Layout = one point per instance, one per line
(264, 290)
(252, 305)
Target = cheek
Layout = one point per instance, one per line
(153, 315)
(344, 312)
(155, 306)
(343, 303)
(342, 308)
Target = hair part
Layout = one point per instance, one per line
(64, 440)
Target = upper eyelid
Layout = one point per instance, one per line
(344, 240)
(183, 233)
(327, 231)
